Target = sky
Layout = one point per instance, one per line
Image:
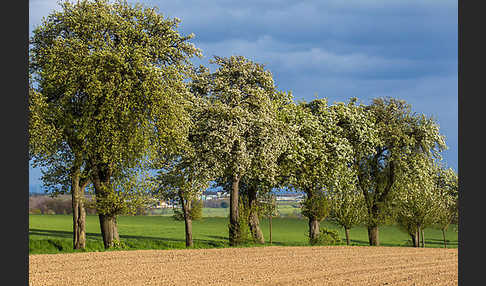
(406, 49)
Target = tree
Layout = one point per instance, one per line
(347, 209)
(417, 201)
(269, 209)
(110, 79)
(236, 126)
(399, 135)
(448, 193)
(54, 146)
(185, 180)
(317, 154)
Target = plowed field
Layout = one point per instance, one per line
(334, 265)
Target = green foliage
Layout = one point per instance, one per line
(126, 195)
(244, 235)
(326, 237)
(448, 197)
(236, 127)
(347, 207)
(419, 199)
(316, 206)
(118, 245)
(320, 155)
(406, 224)
(400, 136)
(195, 213)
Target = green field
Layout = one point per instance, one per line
(53, 233)
(207, 212)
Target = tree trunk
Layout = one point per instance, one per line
(418, 236)
(313, 229)
(79, 219)
(444, 236)
(423, 238)
(373, 232)
(79, 212)
(101, 182)
(415, 239)
(186, 207)
(109, 230)
(234, 227)
(253, 221)
(373, 235)
(346, 231)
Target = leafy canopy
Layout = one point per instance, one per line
(109, 80)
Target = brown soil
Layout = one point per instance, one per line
(334, 265)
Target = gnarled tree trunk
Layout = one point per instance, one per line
(253, 221)
(78, 186)
(373, 235)
(234, 227)
(109, 230)
(373, 232)
(79, 212)
(101, 177)
(313, 229)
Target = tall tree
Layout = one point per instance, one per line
(317, 154)
(357, 129)
(400, 134)
(111, 81)
(237, 124)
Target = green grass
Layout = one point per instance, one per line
(288, 208)
(53, 233)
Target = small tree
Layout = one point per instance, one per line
(316, 207)
(347, 209)
(184, 181)
(448, 192)
(417, 202)
(269, 209)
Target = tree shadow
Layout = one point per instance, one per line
(68, 234)
(217, 237)
(60, 233)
